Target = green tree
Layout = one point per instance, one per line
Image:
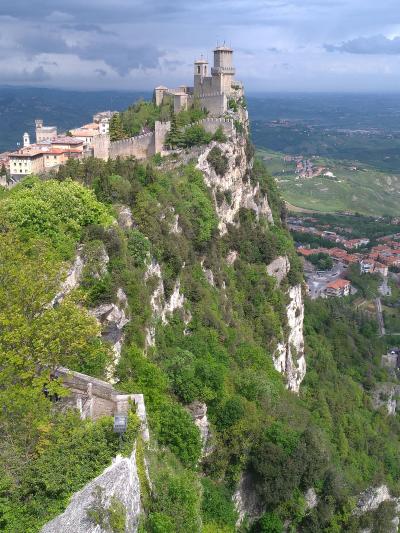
(117, 131)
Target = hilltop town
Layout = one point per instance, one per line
(214, 91)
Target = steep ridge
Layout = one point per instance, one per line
(194, 301)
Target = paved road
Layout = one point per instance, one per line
(317, 282)
(381, 323)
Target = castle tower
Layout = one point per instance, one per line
(223, 71)
(26, 140)
(200, 75)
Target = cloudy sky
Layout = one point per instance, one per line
(297, 45)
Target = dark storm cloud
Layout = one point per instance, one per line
(377, 44)
(120, 56)
(125, 42)
(37, 75)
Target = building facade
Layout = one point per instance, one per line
(44, 133)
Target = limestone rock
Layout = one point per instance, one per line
(119, 480)
(160, 306)
(112, 318)
(72, 280)
(235, 181)
(231, 257)
(289, 357)
(74, 275)
(198, 411)
(279, 268)
(246, 500)
(385, 395)
(125, 217)
(311, 498)
(371, 499)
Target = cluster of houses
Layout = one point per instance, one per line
(349, 244)
(52, 149)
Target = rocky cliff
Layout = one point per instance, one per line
(118, 483)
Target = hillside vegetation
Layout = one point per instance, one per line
(328, 438)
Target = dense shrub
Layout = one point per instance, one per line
(52, 209)
(218, 160)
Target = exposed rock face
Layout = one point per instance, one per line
(71, 282)
(279, 268)
(289, 356)
(385, 395)
(75, 272)
(119, 480)
(113, 318)
(175, 228)
(125, 217)
(371, 499)
(235, 181)
(231, 257)
(208, 273)
(162, 308)
(246, 501)
(198, 411)
(311, 498)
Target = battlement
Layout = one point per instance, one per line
(133, 139)
(147, 144)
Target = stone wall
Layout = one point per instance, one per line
(101, 147)
(212, 124)
(215, 103)
(141, 147)
(95, 398)
(160, 132)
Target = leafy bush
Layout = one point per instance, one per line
(217, 505)
(321, 260)
(218, 160)
(138, 247)
(52, 209)
(178, 432)
(219, 135)
(177, 497)
(268, 523)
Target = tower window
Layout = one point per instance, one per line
(198, 69)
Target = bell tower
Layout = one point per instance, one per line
(26, 140)
(200, 73)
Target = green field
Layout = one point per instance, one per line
(365, 190)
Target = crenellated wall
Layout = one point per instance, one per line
(148, 144)
(141, 147)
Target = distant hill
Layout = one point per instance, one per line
(20, 106)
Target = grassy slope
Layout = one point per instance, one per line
(367, 190)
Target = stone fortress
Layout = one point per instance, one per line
(213, 92)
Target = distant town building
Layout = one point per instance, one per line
(86, 132)
(338, 288)
(44, 133)
(26, 140)
(28, 160)
(103, 119)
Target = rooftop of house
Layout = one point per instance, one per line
(338, 284)
(67, 140)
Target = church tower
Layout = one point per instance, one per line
(26, 140)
